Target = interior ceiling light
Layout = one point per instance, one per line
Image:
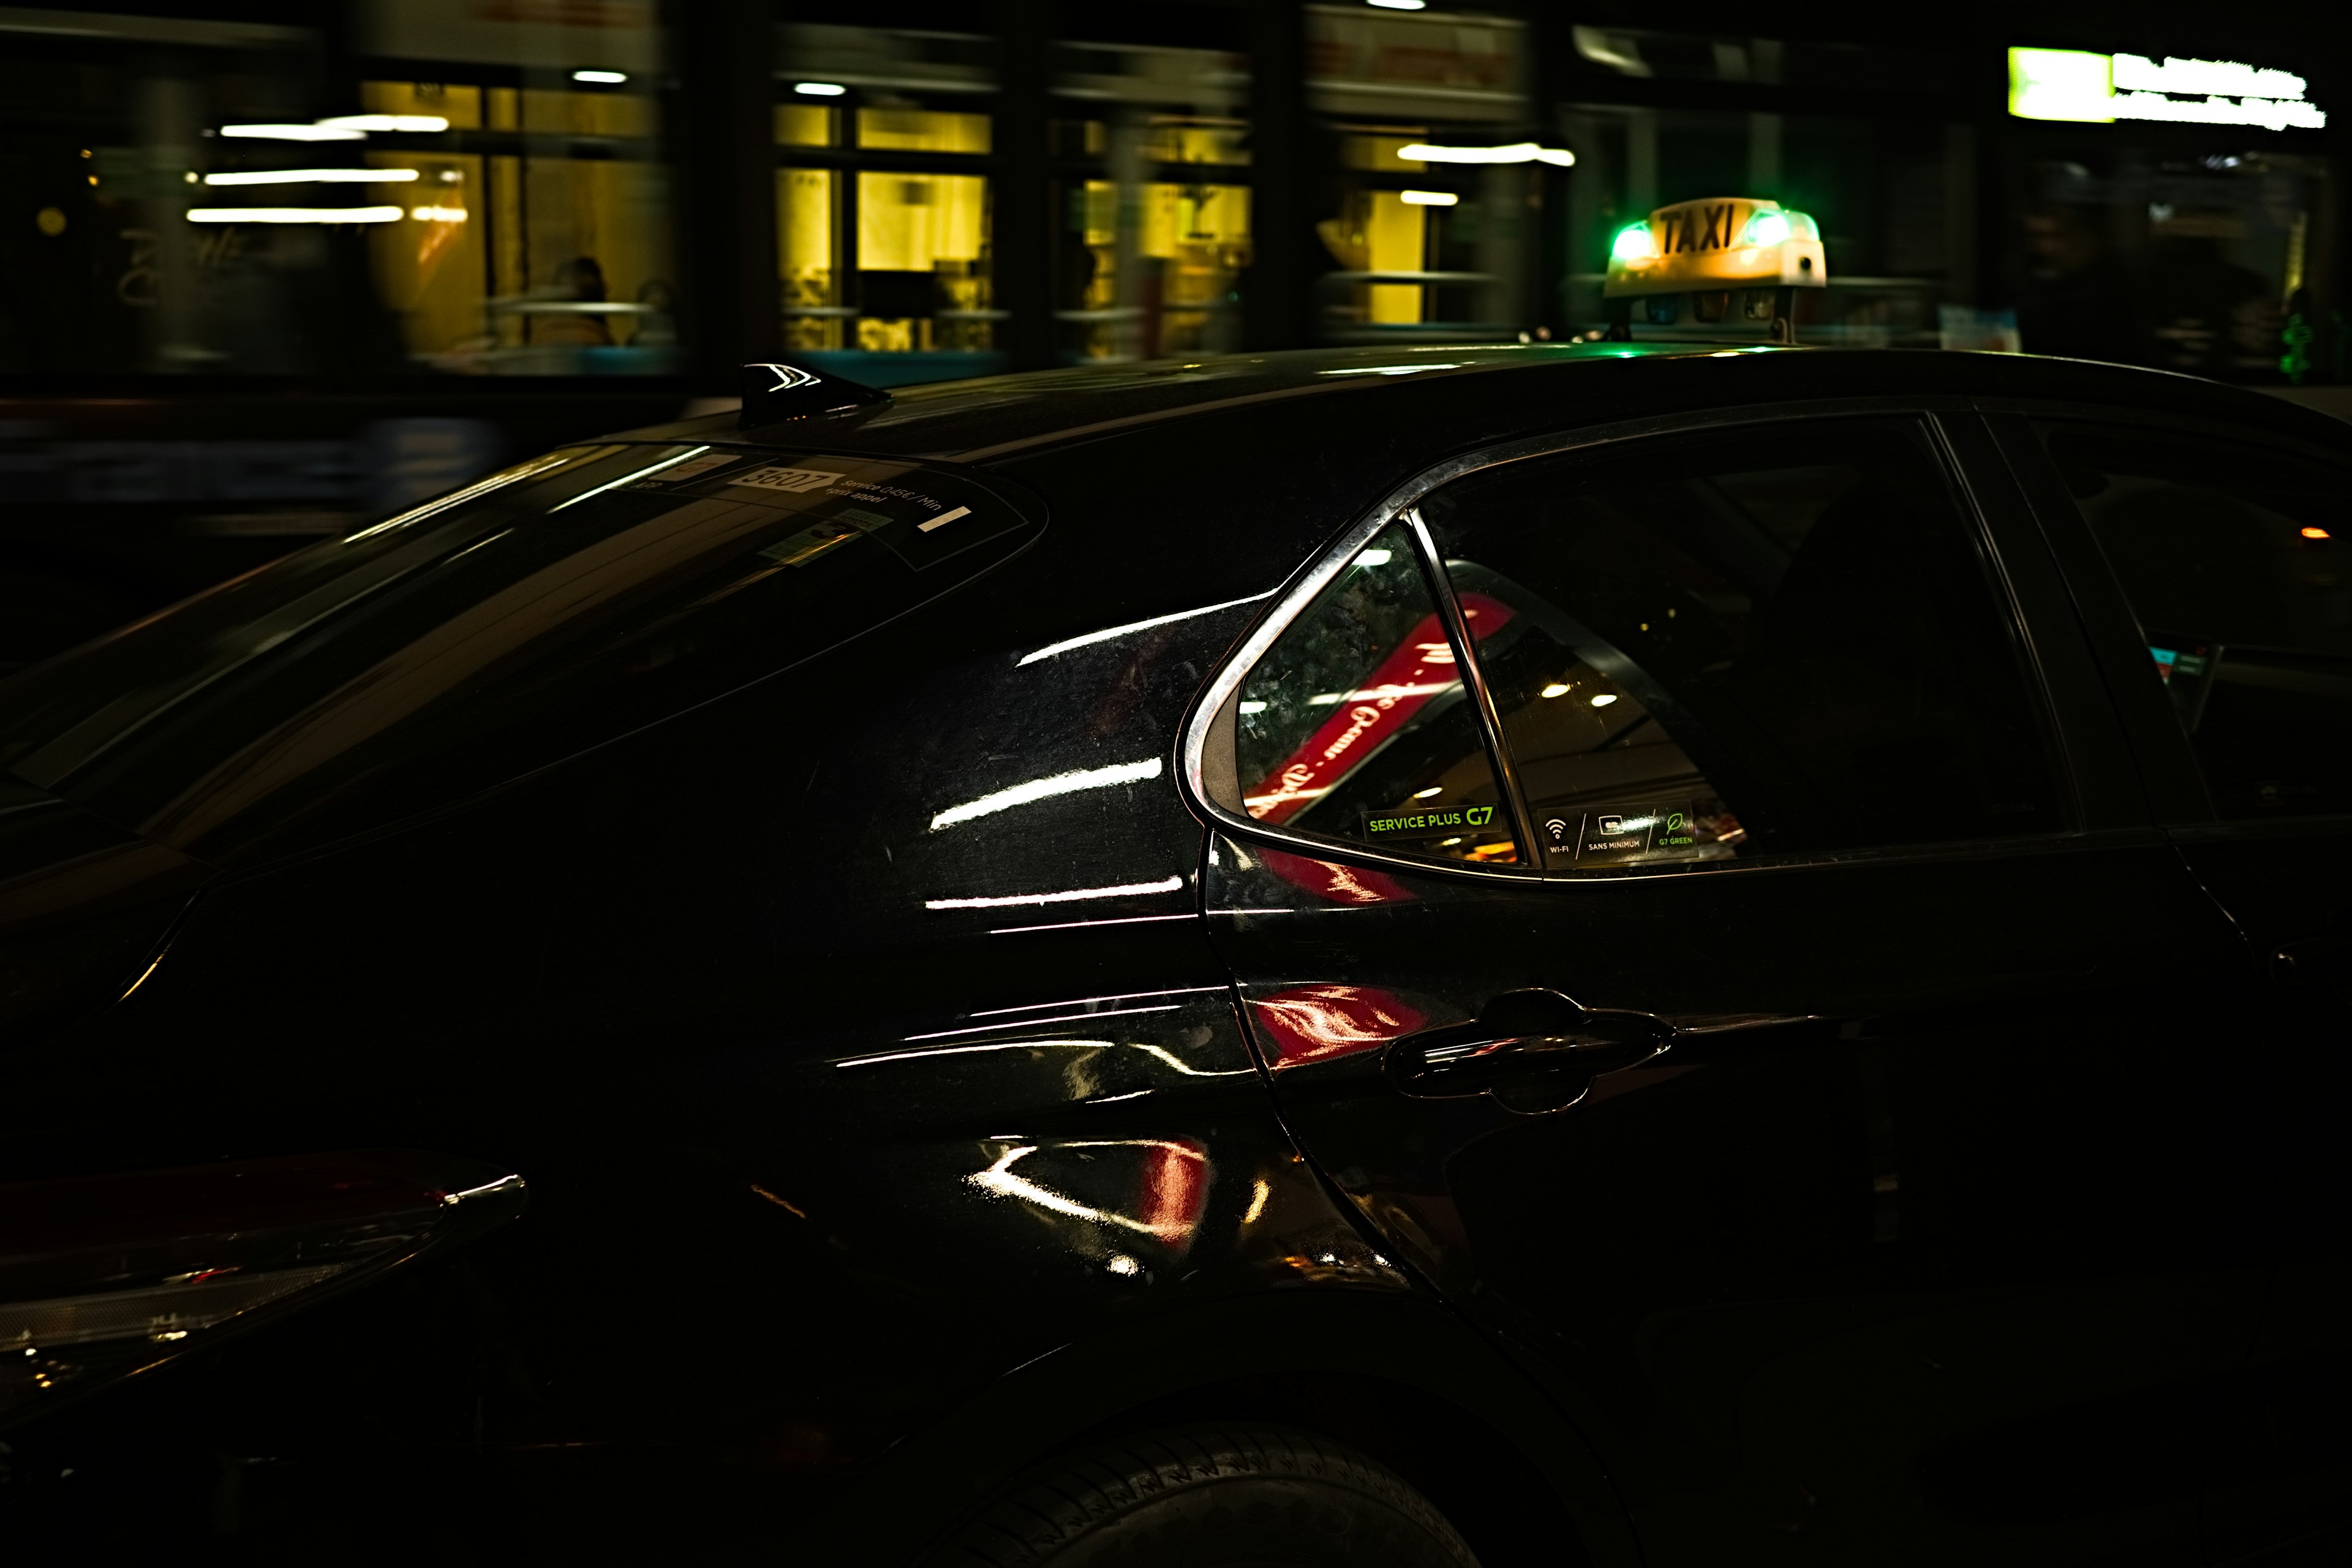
(294, 214)
(1429, 199)
(306, 176)
(295, 133)
(1399, 4)
(366, 122)
(1517, 153)
(819, 89)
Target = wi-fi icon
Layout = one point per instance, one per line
(1557, 828)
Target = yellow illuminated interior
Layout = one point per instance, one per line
(1378, 231)
(461, 106)
(805, 124)
(921, 131)
(805, 241)
(1200, 141)
(490, 243)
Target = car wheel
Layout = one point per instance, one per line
(1212, 1496)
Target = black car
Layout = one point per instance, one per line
(1623, 953)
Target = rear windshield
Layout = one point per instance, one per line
(516, 622)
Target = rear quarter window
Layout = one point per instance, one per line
(491, 632)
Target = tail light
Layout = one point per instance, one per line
(105, 1277)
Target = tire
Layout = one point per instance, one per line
(1211, 1495)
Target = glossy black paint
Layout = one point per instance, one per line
(817, 1254)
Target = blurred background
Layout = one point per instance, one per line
(272, 270)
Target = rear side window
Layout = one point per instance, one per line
(1769, 639)
(2234, 561)
(495, 631)
(1356, 726)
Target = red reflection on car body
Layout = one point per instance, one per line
(1334, 883)
(1175, 1188)
(1317, 1023)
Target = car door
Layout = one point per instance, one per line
(2211, 565)
(1715, 945)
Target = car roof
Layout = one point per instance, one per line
(999, 416)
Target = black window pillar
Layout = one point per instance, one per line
(723, 150)
(1277, 305)
(1022, 221)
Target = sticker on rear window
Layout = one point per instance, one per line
(1426, 823)
(799, 481)
(696, 469)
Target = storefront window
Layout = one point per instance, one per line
(2180, 248)
(511, 260)
(1424, 249)
(1156, 218)
(487, 196)
(884, 240)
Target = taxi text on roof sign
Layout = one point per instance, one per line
(1721, 242)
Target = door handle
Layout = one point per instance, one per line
(1533, 1051)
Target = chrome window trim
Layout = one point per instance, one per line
(1400, 507)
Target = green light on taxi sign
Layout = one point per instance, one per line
(1634, 243)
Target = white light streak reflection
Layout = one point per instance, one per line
(1261, 1193)
(976, 1049)
(1108, 633)
(628, 478)
(457, 497)
(1076, 925)
(1082, 1001)
(1047, 788)
(1161, 1053)
(1043, 1023)
(1067, 896)
(999, 1180)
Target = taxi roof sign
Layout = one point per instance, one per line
(1719, 242)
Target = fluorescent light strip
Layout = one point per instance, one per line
(608, 78)
(1517, 153)
(1092, 637)
(1429, 199)
(310, 176)
(295, 214)
(295, 133)
(627, 478)
(1070, 896)
(819, 89)
(365, 123)
(1047, 788)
